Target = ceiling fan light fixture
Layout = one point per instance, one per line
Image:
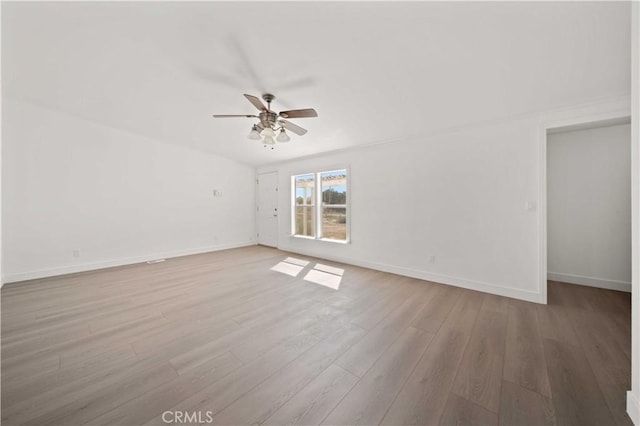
(272, 125)
(267, 133)
(254, 134)
(283, 137)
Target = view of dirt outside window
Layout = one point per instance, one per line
(330, 205)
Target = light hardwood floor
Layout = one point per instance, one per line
(223, 335)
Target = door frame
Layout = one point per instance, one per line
(542, 184)
(257, 200)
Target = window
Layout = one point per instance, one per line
(321, 214)
(304, 206)
(334, 204)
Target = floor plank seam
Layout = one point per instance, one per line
(473, 402)
(401, 387)
(506, 328)
(466, 345)
(546, 362)
(270, 375)
(593, 371)
(347, 370)
(340, 401)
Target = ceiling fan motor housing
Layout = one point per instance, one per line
(268, 118)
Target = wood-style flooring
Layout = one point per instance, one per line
(240, 337)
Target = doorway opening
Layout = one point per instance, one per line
(588, 204)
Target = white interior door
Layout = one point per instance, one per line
(268, 209)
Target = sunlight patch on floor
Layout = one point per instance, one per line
(330, 269)
(295, 261)
(288, 268)
(327, 276)
(324, 275)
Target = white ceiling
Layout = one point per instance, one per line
(374, 71)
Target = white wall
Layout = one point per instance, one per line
(117, 197)
(1, 271)
(633, 396)
(589, 207)
(461, 197)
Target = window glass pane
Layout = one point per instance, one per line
(305, 202)
(334, 223)
(334, 204)
(304, 221)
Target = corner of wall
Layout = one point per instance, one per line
(633, 396)
(633, 407)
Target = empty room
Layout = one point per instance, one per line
(336, 213)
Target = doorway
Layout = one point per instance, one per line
(267, 209)
(588, 168)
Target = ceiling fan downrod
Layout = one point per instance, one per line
(268, 97)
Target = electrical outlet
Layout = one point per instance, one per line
(76, 253)
(432, 259)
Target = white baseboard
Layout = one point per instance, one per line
(63, 270)
(590, 281)
(633, 408)
(429, 276)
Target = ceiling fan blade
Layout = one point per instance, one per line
(299, 113)
(230, 115)
(292, 127)
(256, 102)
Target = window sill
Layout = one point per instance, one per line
(302, 237)
(328, 240)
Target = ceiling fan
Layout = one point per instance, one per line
(272, 122)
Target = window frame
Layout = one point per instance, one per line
(318, 207)
(314, 206)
